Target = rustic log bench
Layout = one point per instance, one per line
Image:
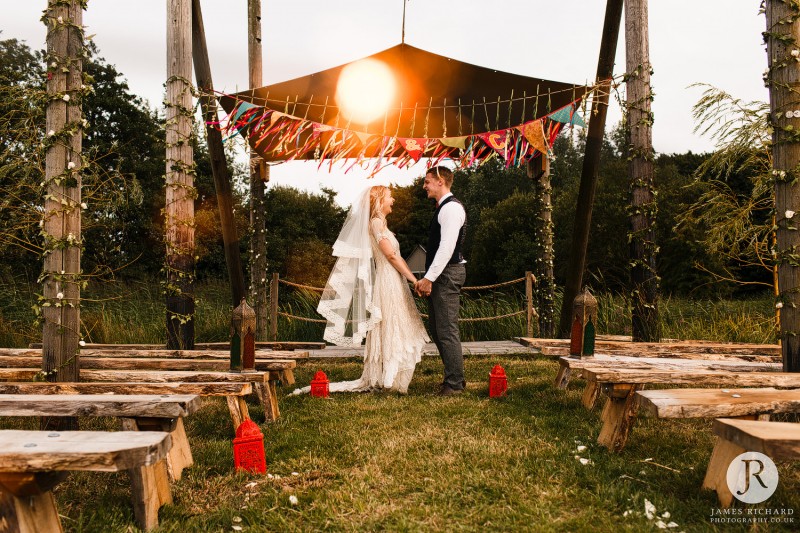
(621, 385)
(234, 393)
(568, 364)
(266, 355)
(138, 413)
(266, 389)
(613, 345)
(776, 440)
(33, 462)
(260, 345)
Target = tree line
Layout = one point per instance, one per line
(712, 223)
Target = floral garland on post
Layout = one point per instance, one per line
(643, 263)
(784, 56)
(179, 263)
(61, 289)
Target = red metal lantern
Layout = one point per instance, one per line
(248, 448)
(319, 385)
(498, 383)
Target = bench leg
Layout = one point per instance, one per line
(590, 394)
(716, 474)
(618, 416)
(150, 490)
(180, 455)
(268, 394)
(287, 376)
(26, 503)
(562, 378)
(238, 409)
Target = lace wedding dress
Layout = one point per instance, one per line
(394, 345)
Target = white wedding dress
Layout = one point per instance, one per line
(394, 345)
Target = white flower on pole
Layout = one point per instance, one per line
(789, 213)
(71, 165)
(60, 295)
(779, 305)
(60, 20)
(795, 53)
(65, 98)
(51, 133)
(84, 205)
(82, 343)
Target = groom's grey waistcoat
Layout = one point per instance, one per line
(435, 237)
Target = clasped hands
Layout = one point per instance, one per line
(423, 287)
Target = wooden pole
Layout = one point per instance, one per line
(216, 152)
(546, 288)
(591, 163)
(273, 307)
(644, 279)
(259, 176)
(783, 41)
(61, 224)
(179, 208)
(529, 301)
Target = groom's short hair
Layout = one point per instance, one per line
(442, 172)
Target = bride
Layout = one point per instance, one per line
(367, 295)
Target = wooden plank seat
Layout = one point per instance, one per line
(621, 385)
(609, 345)
(234, 393)
(776, 440)
(33, 462)
(263, 383)
(138, 412)
(716, 403)
(269, 355)
(568, 364)
(268, 345)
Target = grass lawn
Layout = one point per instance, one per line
(372, 462)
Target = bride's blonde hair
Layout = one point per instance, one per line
(376, 196)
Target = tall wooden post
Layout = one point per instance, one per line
(644, 279)
(539, 170)
(259, 176)
(591, 163)
(216, 151)
(179, 208)
(62, 210)
(273, 307)
(783, 43)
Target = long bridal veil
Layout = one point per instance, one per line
(346, 301)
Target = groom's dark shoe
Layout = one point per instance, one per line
(447, 390)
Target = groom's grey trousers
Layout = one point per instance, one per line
(445, 303)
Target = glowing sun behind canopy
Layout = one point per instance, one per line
(365, 90)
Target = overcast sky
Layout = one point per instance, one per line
(699, 41)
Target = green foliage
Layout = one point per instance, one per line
(301, 229)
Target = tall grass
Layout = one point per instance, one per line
(134, 312)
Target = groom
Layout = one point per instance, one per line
(444, 276)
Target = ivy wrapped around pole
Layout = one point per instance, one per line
(180, 191)
(61, 223)
(642, 210)
(782, 78)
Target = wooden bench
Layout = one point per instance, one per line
(568, 364)
(33, 462)
(234, 393)
(613, 345)
(138, 413)
(260, 355)
(268, 345)
(264, 380)
(621, 385)
(776, 440)
(717, 403)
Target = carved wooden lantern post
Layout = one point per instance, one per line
(584, 320)
(243, 345)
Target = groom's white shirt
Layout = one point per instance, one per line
(451, 218)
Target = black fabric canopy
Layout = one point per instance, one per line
(436, 97)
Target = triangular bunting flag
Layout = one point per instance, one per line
(567, 115)
(498, 141)
(454, 142)
(414, 147)
(533, 132)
